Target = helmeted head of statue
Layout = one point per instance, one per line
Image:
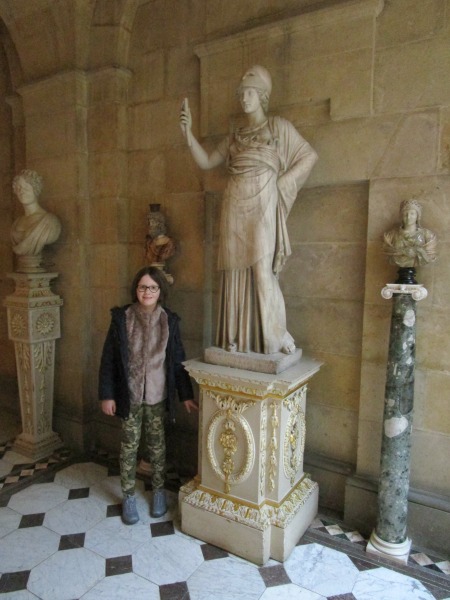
(259, 78)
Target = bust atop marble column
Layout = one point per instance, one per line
(36, 228)
(410, 245)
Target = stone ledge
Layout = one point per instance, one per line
(252, 361)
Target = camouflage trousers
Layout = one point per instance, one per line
(149, 420)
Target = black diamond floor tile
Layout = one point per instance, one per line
(174, 591)
(13, 582)
(119, 565)
(73, 540)
(274, 575)
(78, 493)
(33, 520)
(114, 510)
(163, 528)
(211, 552)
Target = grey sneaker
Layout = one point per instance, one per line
(129, 511)
(158, 507)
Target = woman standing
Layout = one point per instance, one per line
(140, 372)
(268, 162)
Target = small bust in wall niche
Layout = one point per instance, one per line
(36, 228)
(410, 245)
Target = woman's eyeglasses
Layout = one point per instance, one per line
(151, 288)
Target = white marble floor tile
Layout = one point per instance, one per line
(167, 559)
(354, 536)
(67, 574)
(14, 458)
(81, 475)
(25, 548)
(321, 570)
(316, 523)
(75, 516)
(9, 521)
(38, 498)
(111, 537)
(20, 595)
(226, 579)
(422, 559)
(444, 565)
(5, 468)
(290, 592)
(334, 529)
(123, 587)
(107, 491)
(384, 584)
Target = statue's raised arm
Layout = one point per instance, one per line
(201, 157)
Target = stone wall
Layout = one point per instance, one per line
(8, 386)
(366, 83)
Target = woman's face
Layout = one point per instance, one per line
(24, 191)
(249, 99)
(147, 292)
(410, 216)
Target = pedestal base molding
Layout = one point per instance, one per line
(39, 449)
(394, 551)
(254, 533)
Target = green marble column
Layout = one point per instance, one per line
(390, 536)
(397, 422)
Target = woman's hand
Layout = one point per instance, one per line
(190, 405)
(109, 407)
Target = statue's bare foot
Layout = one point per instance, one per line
(288, 348)
(232, 347)
(288, 345)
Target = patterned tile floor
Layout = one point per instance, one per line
(61, 538)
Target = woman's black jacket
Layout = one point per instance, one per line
(113, 376)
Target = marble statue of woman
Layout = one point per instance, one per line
(37, 227)
(410, 245)
(268, 162)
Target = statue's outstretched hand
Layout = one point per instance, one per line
(186, 120)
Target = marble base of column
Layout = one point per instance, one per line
(398, 552)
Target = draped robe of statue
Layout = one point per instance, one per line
(30, 233)
(266, 167)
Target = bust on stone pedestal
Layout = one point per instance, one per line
(34, 319)
(36, 228)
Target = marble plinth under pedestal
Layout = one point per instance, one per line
(37, 450)
(255, 534)
(251, 496)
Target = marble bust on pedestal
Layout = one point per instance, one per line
(36, 228)
(409, 245)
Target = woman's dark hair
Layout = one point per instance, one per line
(158, 276)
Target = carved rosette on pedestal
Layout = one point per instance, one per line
(251, 496)
(34, 325)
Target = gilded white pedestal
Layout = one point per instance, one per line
(33, 326)
(251, 496)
